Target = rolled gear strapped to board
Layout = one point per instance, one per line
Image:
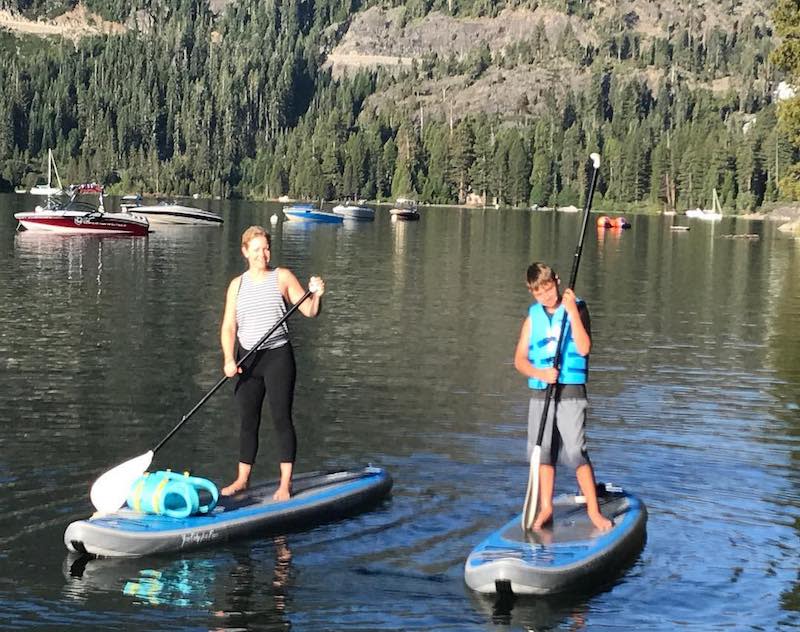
(169, 494)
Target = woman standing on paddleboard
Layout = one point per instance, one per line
(255, 302)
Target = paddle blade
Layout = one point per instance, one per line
(110, 490)
(532, 493)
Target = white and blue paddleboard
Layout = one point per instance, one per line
(317, 498)
(567, 554)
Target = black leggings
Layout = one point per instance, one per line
(269, 372)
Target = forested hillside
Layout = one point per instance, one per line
(440, 100)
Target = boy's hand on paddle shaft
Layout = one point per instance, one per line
(570, 303)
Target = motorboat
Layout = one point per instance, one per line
(310, 213)
(405, 209)
(48, 189)
(169, 212)
(80, 217)
(354, 211)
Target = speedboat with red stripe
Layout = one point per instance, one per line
(82, 218)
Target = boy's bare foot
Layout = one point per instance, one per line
(282, 493)
(600, 521)
(545, 515)
(234, 488)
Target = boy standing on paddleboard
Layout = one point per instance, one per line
(534, 358)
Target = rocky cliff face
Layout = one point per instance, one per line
(379, 37)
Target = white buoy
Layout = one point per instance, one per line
(273, 220)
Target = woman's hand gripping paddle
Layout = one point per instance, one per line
(110, 491)
(532, 494)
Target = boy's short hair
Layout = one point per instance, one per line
(255, 231)
(540, 274)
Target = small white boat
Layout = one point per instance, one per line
(169, 213)
(712, 214)
(354, 211)
(48, 189)
(701, 213)
(405, 209)
(44, 189)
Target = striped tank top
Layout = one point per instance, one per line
(259, 305)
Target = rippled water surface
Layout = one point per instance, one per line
(694, 392)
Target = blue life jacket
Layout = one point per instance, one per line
(545, 329)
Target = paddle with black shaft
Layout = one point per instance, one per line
(532, 494)
(110, 491)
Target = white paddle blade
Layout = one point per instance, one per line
(110, 491)
(532, 494)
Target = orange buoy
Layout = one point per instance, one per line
(620, 222)
(604, 221)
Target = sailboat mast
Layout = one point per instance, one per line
(52, 161)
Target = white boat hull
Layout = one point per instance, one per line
(45, 190)
(697, 213)
(363, 213)
(177, 214)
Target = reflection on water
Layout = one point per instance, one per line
(243, 603)
(533, 613)
(236, 589)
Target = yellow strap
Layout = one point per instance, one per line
(137, 494)
(157, 495)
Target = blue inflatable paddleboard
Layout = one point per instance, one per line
(565, 555)
(317, 498)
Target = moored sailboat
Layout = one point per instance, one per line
(714, 213)
(48, 189)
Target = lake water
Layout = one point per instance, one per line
(694, 393)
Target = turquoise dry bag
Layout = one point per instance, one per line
(169, 494)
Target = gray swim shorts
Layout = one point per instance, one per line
(568, 444)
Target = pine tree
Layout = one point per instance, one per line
(519, 170)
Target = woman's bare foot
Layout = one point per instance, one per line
(234, 488)
(545, 515)
(283, 493)
(600, 521)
